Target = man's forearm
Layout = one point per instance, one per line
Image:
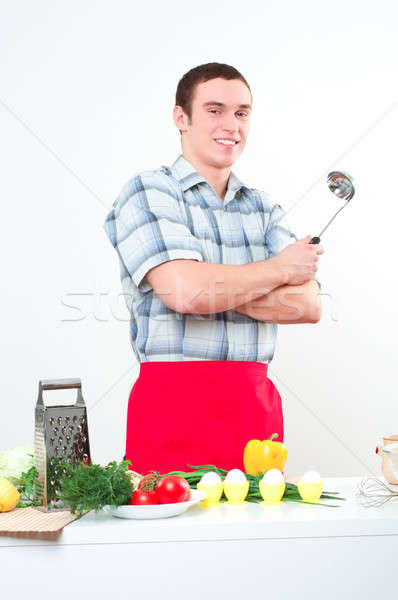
(287, 304)
(215, 287)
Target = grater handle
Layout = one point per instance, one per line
(60, 384)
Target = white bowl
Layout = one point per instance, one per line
(155, 511)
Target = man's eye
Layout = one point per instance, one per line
(212, 110)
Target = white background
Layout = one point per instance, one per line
(86, 98)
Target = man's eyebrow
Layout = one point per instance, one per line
(215, 103)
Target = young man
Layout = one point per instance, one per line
(207, 265)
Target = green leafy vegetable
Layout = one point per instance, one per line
(15, 461)
(91, 487)
(26, 488)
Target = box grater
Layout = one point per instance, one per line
(61, 434)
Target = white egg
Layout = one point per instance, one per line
(210, 478)
(272, 477)
(311, 477)
(235, 476)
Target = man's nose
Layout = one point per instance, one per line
(231, 124)
(230, 128)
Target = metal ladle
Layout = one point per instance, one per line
(342, 185)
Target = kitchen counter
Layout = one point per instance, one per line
(279, 549)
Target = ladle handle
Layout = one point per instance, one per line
(315, 240)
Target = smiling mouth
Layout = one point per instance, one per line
(227, 145)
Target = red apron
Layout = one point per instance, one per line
(199, 412)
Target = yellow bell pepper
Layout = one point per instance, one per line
(9, 495)
(261, 456)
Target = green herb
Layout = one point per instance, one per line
(91, 487)
(27, 488)
(291, 493)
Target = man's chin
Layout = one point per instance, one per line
(223, 161)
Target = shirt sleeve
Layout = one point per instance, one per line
(278, 234)
(146, 227)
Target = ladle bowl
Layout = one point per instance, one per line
(341, 185)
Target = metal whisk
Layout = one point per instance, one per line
(373, 492)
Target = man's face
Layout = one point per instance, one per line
(211, 122)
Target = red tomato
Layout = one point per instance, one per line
(144, 497)
(150, 481)
(173, 488)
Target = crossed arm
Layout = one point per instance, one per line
(287, 304)
(189, 286)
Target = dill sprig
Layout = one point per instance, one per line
(91, 487)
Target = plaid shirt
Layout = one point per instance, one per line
(172, 213)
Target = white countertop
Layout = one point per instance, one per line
(223, 522)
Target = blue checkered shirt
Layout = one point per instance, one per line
(171, 213)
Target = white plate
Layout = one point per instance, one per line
(155, 511)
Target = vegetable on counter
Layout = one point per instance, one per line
(168, 489)
(291, 493)
(144, 497)
(27, 488)
(9, 495)
(16, 466)
(91, 487)
(173, 488)
(15, 461)
(135, 478)
(150, 480)
(260, 456)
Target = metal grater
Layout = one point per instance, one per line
(61, 434)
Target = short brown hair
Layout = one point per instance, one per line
(189, 81)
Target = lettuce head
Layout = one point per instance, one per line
(16, 461)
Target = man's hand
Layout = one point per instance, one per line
(298, 261)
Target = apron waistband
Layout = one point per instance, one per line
(221, 366)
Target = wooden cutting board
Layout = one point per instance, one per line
(34, 520)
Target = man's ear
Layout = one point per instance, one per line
(180, 118)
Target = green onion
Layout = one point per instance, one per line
(291, 493)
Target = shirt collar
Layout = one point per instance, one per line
(188, 176)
